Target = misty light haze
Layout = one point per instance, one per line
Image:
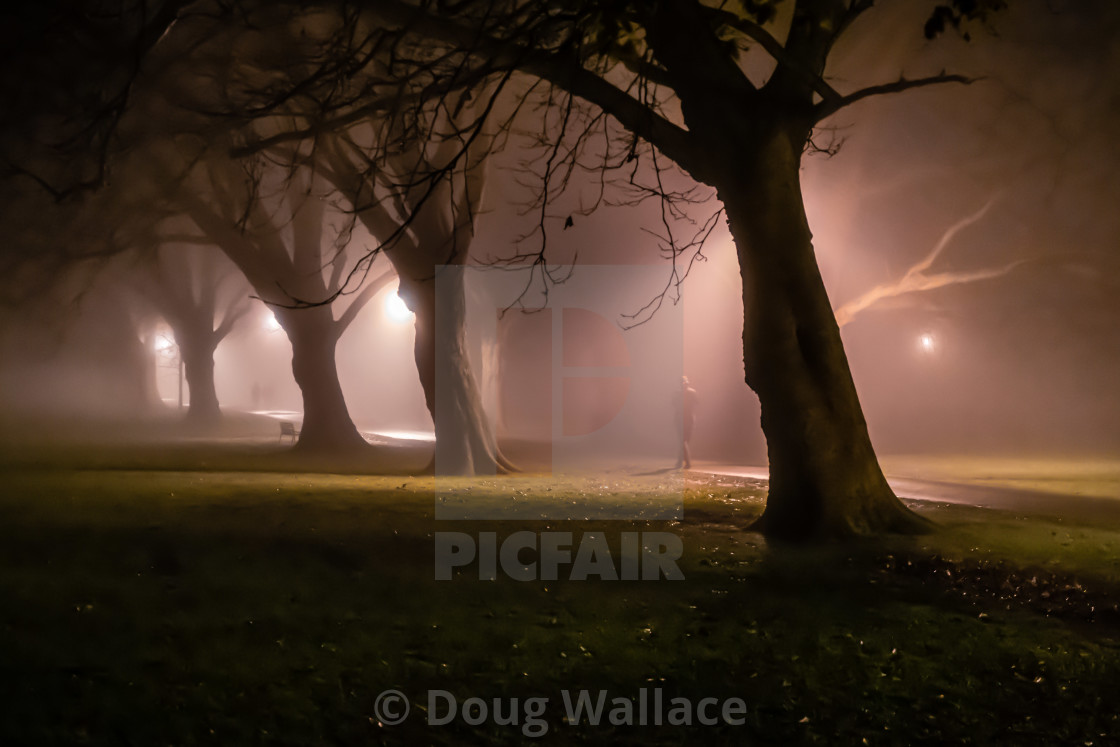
(354, 351)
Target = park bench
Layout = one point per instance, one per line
(288, 429)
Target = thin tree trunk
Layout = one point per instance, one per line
(327, 426)
(825, 479)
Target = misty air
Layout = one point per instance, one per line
(686, 371)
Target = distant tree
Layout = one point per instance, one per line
(405, 179)
(274, 227)
(127, 334)
(202, 298)
(82, 346)
(119, 118)
(61, 267)
(117, 238)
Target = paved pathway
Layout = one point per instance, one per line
(1073, 507)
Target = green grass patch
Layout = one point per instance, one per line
(160, 607)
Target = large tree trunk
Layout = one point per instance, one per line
(824, 477)
(327, 426)
(465, 444)
(197, 350)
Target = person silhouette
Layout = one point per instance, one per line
(685, 416)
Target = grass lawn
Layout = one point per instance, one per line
(155, 607)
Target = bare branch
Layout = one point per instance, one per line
(827, 108)
(917, 279)
(775, 49)
(362, 298)
(562, 69)
(233, 314)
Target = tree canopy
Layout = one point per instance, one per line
(730, 93)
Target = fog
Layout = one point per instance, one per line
(1014, 346)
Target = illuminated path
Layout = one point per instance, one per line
(381, 436)
(1101, 505)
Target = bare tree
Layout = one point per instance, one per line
(667, 82)
(202, 299)
(81, 347)
(730, 93)
(62, 264)
(422, 201)
(131, 335)
(408, 166)
(274, 227)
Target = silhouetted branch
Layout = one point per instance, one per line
(827, 108)
(233, 314)
(363, 297)
(757, 33)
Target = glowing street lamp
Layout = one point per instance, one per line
(927, 342)
(163, 344)
(396, 309)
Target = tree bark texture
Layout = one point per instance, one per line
(327, 426)
(825, 480)
(465, 443)
(197, 349)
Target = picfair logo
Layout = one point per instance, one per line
(565, 379)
